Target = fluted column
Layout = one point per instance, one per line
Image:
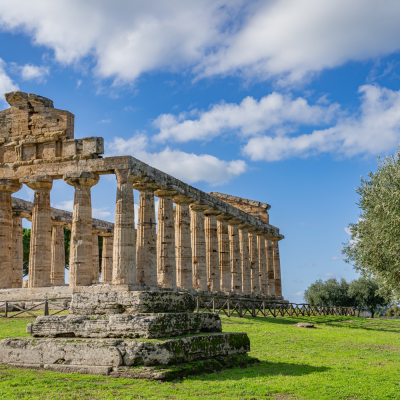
(146, 246)
(245, 258)
(81, 257)
(17, 251)
(236, 264)
(95, 256)
(124, 249)
(277, 265)
(107, 257)
(199, 245)
(262, 263)
(40, 247)
(224, 252)
(270, 264)
(212, 256)
(183, 245)
(166, 261)
(57, 255)
(255, 271)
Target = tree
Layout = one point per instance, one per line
(330, 293)
(374, 247)
(364, 295)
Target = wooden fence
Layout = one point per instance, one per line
(7, 307)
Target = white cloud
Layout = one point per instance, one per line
(6, 83)
(298, 293)
(188, 167)
(336, 258)
(347, 230)
(330, 275)
(33, 72)
(66, 205)
(105, 121)
(100, 213)
(251, 117)
(286, 40)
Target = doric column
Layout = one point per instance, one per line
(277, 265)
(212, 256)
(224, 252)
(198, 245)
(255, 271)
(81, 257)
(166, 262)
(245, 258)
(107, 257)
(57, 254)
(183, 244)
(17, 251)
(95, 255)
(270, 264)
(146, 246)
(40, 248)
(236, 263)
(262, 262)
(124, 249)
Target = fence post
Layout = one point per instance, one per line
(229, 307)
(213, 304)
(253, 309)
(46, 307)
(240, 309)
(290, 310)
(263, 305)
(274, 310)
(6, 309)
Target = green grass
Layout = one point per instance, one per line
(358, 359)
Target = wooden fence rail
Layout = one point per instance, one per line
(7, 307)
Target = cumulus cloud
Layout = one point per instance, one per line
(251, 117)
(298, 293)
(33, 72)
(100, 212)
(6, 83)
(286, 40)
(67, 205)
(189, 167)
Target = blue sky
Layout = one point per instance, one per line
(285, 102)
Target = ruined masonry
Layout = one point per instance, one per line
(208, 244)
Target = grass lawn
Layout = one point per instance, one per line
(354, 359)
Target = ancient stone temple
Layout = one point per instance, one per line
(207, 242)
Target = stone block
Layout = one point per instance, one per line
(69, 148)
(93, 145)
(125, 325)
(135, 302)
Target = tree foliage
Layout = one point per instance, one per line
(374, 247)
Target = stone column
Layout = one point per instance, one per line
(95, 256)
(107, 257)
(166, 262)
(277, 265)
(270, 265)
(81, 257)
(199, 246)
(17, 251)
(57, 255)
(183, 245)
(262, 262)
(255, 271)
(212, 256)
(146, 246)
(236, 263)
(124, 249)
(224, 252)
(245, 258)
(40, 248)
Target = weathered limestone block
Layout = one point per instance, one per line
(245, 260)
(125, 325)
(131, 302)
(212, 255)
(166, 261)
(7, 187)
(40, 247)
(57, 255)
(146, 246)
(81, 257)
(198, 245)
(107, 258)
(236, 264)
(270, 265)
(224, 252)
(255, 271)
(124, 251)
(17, 251)
(183, 246)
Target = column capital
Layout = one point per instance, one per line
(55, 222)
(38, 182)
(146, 184)
(268, 235)
(260, 232)
(106, 233)
(198, 206)
(224, 217)
(81, 178)
(165, 192)
(182, 199)
(96, 231)
(17, 214)
(211, 211)
(8, 185)
(277, 238)
(252, 229)
(235, 221)
(124, 175)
